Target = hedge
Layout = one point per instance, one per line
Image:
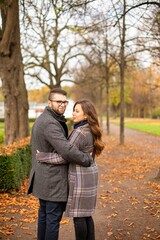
(15, 165)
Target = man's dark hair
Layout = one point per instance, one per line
(57, 90)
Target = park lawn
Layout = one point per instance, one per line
(151, 126)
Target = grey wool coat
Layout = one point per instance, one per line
(82, 181)
(50, 182)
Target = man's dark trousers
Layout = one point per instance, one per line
(49, 217)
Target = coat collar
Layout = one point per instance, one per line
(58, 117)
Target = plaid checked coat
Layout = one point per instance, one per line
(82, 180)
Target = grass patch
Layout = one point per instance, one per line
(151, 126)
(145, 127)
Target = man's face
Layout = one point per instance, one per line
(58, 103)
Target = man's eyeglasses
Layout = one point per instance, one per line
(59, 102)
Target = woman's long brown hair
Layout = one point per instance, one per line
(92, 118)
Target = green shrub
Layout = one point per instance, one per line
(14, 167)
(156, 113)
(69, 123)
(1, 137)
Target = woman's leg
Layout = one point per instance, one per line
(80, 227)
(90, 228)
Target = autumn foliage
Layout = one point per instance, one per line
(128, 205)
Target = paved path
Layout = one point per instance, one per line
(128, 206)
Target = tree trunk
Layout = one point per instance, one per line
(122, 77)
(100, 104)
(158, 175)
(11, 73)
(107, 103)
(107, 89)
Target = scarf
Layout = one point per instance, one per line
(79, 124)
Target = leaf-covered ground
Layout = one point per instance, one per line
(128, 204)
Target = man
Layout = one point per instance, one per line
(49, 182)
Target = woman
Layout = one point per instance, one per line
(83, 181)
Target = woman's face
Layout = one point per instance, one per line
(78, 114)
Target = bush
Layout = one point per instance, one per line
(1, 137)
(69, 124)
(156, 113)
(15, 164)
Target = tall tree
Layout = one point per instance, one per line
(52, 43)
(11, 73)
(122, 74)
(122, 60)
(151, 26)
